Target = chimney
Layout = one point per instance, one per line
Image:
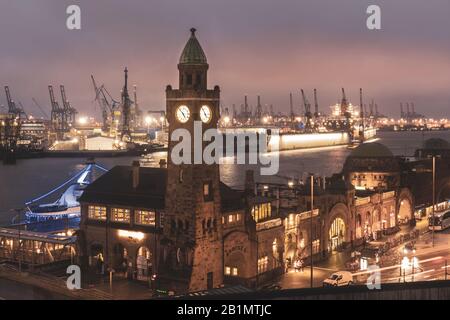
(162, 163)
(249, 183)
(135, 174)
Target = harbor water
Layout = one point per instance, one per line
(31, 178)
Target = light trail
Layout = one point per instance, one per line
(393, 267)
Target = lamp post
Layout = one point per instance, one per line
(311, 229)
(434, 198)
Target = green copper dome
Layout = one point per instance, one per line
(193, 52)
(436, 144)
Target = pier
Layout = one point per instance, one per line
(35, 249)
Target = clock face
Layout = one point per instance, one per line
(205, 114)
(183, 114)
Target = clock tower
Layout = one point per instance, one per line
(193, 250)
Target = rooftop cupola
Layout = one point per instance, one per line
(193, 65)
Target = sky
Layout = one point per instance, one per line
(254, 47)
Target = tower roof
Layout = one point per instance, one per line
(436, 144)
(193, 52)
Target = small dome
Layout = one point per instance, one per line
(371, 150)
(193, 52)
(436, 144)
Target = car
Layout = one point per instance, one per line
(339, 279)
(409, 248)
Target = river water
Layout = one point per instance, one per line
(34, 177)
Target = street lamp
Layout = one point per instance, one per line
(311, 228)
(434, 198)
(405, 264)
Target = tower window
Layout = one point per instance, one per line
(198, 79)
(207, 192)
(189, 79)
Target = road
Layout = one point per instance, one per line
(11, 290)
(430, 265)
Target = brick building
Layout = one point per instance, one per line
(181, 223)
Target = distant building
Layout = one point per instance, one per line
(99, 143)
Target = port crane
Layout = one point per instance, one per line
(316, 105)
(361, 110)
(292, 114)
(56, 116)
(40, 108)
(308, 114)
(12, 107)
(137, 113)
(126, 103)
(10, 130)
(105, 106)
(258, 111)
(344, 109)
(68, 111)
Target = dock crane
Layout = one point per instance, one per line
(40, 108)
(126, 102)
(291, 106)
(12, 108)
(258, 111)
(344, 110)
(316, 105)
(308, 114)
(69, 112)
(361, 110)
(105, 107)
(137, 112)
(56, 115)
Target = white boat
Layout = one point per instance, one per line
(67, 205)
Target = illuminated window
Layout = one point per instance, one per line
(263, 264)
(238, 217)
(207, 192)
(316, 246)
(120, 215)
(231, 271)
(262, 211)
(223, 220)
(97, 213)
(230, 218)
(143, 217)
